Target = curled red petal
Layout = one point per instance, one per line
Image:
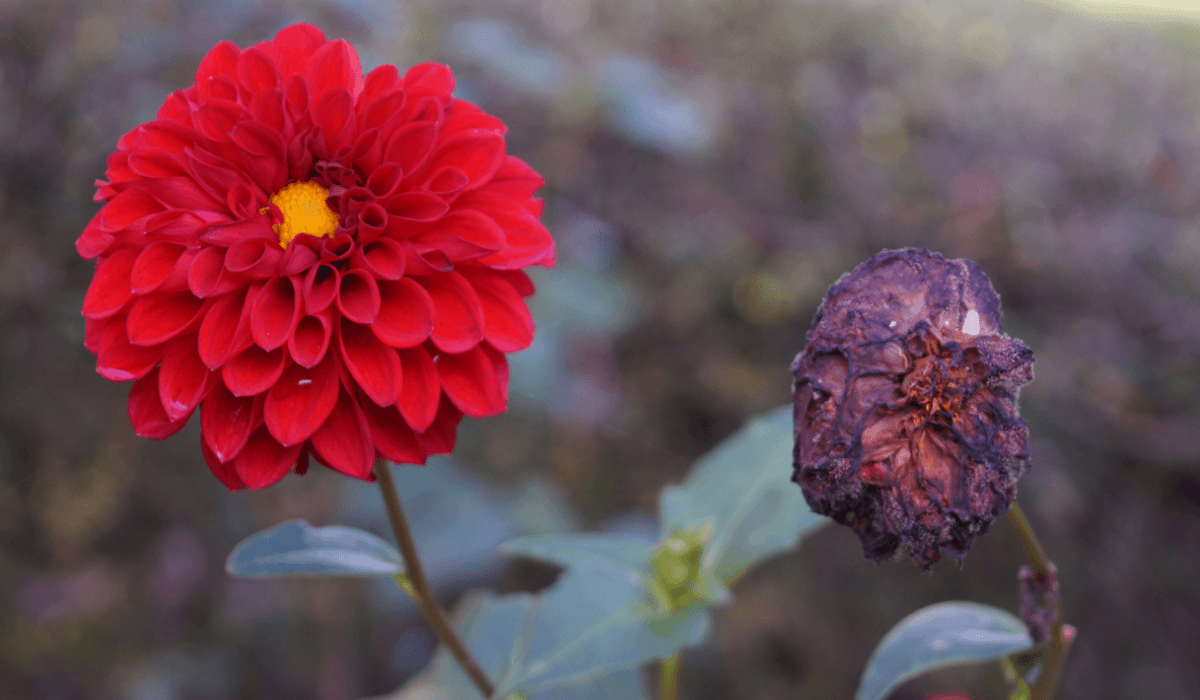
(226, 421)
(110, 289)
(358, 296)
(157, 318)
(507, 323)
(256, 70)
(394, 439)
(300, 401)
(344, 441)
(146, 412)
(464, 235)
(263, 461)
(384, 258)
(220, 60)
(477, 152)
(222, 470)
(406, 313)
(334, 65)
(254, 257)
(309, 342)
(253, 370)
(182, 378)
(320, 288)
(153, 265)
(421, 391)
(119, 360)
(440, 437)
(274, 313)
(225, 329)
(293, 46)
(471, 381)
(459, 314)
(375, 366)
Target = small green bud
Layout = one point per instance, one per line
(675, 568)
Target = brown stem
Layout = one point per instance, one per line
(1048, 680)
(425, 596)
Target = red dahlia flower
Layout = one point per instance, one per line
(322, 263)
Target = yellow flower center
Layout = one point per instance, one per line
(304, 211)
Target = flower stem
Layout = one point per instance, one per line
(668, 678)
(424, 592)
(1059, 642)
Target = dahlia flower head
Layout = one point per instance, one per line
(907, 426)
(322, 263)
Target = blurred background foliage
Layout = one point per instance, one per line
(712, 166)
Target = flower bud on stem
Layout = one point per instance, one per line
(420, 584)
(1060, 638)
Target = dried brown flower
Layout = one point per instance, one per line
(906, 406)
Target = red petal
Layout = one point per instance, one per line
(220, 60)
(94, 240)
(333, 111)
(224, 330)
(110, 288)
(224, 472)
(439, 439)
(384, 179)
(519, 280)
(422, 388)
(320, 288)
(471, 382)
(379, 80)
(254, 258)
(226, 421)
(159, 317)
(253, 370)
(403, 209)
(227, 235)
(405, 313)
(516, 179)
(429, 78)
(119, 360)
(375, 366)
(529, 243)
(263, 461)
(216, 119)
(293, 45)
(146, 411)
(507, 323)
(182, 379)
(459, 317)
(410, 145)
(310, 340)
(384, 258)
(464, 235)
(274, 313)
(298, 259)
(382, 109)
(477, 152)
(207, 276)
(393, 439)
(344, 441)
(128, 208)
(358, 296)
(155, 162)
(334, 65)
(153, 266)
(301, 401)
(256, 70)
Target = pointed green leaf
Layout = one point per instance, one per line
(296, 548)
(939, 635)
(569, 549)
(744, 487)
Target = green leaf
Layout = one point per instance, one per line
(595, 620)
(939, 635)
(494, 628)
(1021, 692)
(570, 549)
(744, 487)
(296, 548)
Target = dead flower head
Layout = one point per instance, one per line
(907, 427)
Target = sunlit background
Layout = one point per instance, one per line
(712, 166)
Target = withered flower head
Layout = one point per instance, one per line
(906, 406)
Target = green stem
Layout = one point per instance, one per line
(420, 584)
(1048, 680)
(668, 678)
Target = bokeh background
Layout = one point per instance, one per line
(712, 166)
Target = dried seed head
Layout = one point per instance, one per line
(906, 406)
